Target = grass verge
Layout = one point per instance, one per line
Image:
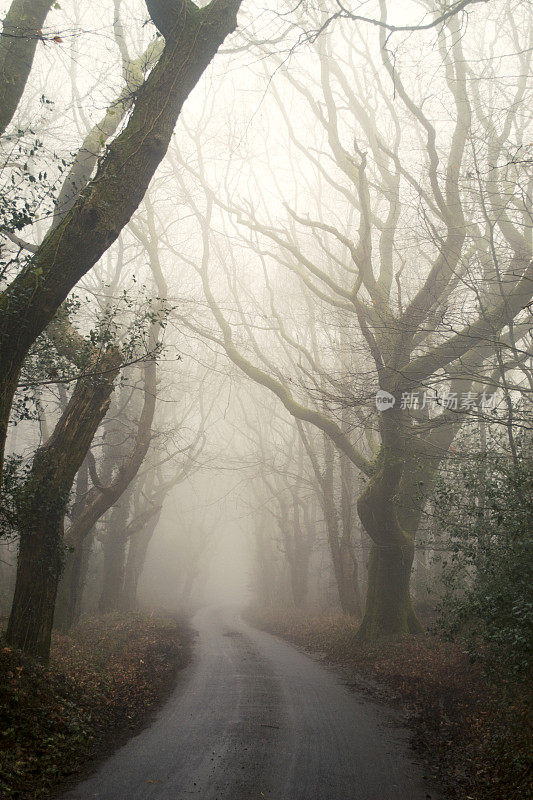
(103, 681)
(473, 734)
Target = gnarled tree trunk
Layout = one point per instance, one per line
(388, 608)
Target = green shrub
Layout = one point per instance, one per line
(484, 514)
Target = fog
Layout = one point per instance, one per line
(266, 378)
(213, 509)
(343, 208)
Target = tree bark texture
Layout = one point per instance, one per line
(41, 507)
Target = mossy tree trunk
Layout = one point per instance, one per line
(38, 569)
(41, 507)
(388, 607)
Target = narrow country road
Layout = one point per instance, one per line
(252, 717)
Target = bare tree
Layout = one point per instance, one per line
(439, 324)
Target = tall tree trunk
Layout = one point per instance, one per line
(391, 508)
(67, 595)
(349, 580)
(348, 560)
(115, 543)
(9, 376)
(20, 34)
(265, 565)
(139, 542)
(388, 607)
(69, 601)
(101, 498)
(297, 550)
(301, 557)
(41, 507)
(339, 543)
(38, 569)
(7, 583)
(299, 572)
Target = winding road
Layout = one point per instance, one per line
(253, 717)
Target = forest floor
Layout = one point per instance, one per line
(473, 734)
(103, 682)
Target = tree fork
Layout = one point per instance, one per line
(107, 203)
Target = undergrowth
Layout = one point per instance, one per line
(102, 679)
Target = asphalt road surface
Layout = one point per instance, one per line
(253, 717)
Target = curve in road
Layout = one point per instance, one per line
(253, 718)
